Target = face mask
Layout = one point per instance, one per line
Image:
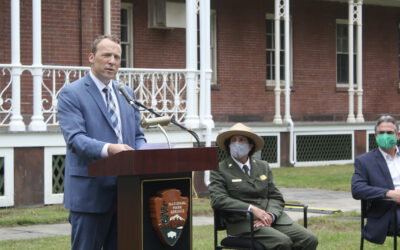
(386, 141)
(238, 150)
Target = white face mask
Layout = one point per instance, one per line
(238, 150)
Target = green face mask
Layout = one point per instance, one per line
(386, 141)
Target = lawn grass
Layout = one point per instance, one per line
(333, 177)
(338, 231)
(30, 216)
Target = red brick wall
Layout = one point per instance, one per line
(381, 69)
(69, 28)
(241, 61)
(156, 48)
(241, 91)
(5, 28)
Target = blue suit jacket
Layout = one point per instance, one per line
(86, 126)
(372, 180)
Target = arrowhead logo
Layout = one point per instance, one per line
(168, 212)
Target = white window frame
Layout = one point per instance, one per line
(49, 196)
(130, 54)
(7, 199)
(213, 46)
(271, 82)
(346, 22)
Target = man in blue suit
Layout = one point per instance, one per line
(96, 123)
(376, 176)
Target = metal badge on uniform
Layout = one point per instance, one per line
(236, 180)
(263, 177)
(230, 165)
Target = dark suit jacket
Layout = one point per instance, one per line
(372, 180)
(231, 188)
(86, 126)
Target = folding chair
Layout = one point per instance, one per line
(234, 242)
(365, 206)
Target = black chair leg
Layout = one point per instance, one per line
(362, 243)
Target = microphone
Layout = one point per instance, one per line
(124, 92)
(162, 120)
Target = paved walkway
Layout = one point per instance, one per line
(316, 199)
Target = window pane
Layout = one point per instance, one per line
(124, 34)
(269, 74)
(342, 68)
(270, 49)
(342, 53)
(269, 42)
(124, 16)
(124, 55)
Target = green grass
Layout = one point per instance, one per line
(30, 216)
(333, 177)
(201, 206)
(338, 231)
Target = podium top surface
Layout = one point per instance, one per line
(156, 161)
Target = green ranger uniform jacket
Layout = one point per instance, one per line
(231, 188)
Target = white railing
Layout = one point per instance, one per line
(5, 95)
(54, 78)
(161, 89)
(164, 90)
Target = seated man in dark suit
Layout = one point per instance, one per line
(376, 176)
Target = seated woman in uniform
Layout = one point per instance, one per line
(244, 182)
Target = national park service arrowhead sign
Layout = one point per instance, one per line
(168, 211)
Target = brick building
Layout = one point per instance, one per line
(214, 70)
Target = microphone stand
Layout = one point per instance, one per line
(135, 103)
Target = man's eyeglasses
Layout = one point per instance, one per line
(390, 132)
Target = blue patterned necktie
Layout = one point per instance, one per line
(112, 108)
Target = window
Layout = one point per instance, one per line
(213, 45)
(398, 52)
(126, 35)
(342, 53)
(270, 50)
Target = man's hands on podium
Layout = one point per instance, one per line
(116, 148)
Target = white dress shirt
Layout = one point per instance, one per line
(241, 164)
(394, 166)
(100, 85)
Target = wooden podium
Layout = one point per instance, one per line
(141, 174)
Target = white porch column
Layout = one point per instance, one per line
(205, 68)
(192, 119)
(288, 77)
(277, 90)
(16, 121)
(360, 117)
(107, 17)
(350, 117)
(37, 120)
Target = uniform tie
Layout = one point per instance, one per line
(112, 108)
(246, 169)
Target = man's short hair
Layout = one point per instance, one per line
(98, 39)
(386, 118)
